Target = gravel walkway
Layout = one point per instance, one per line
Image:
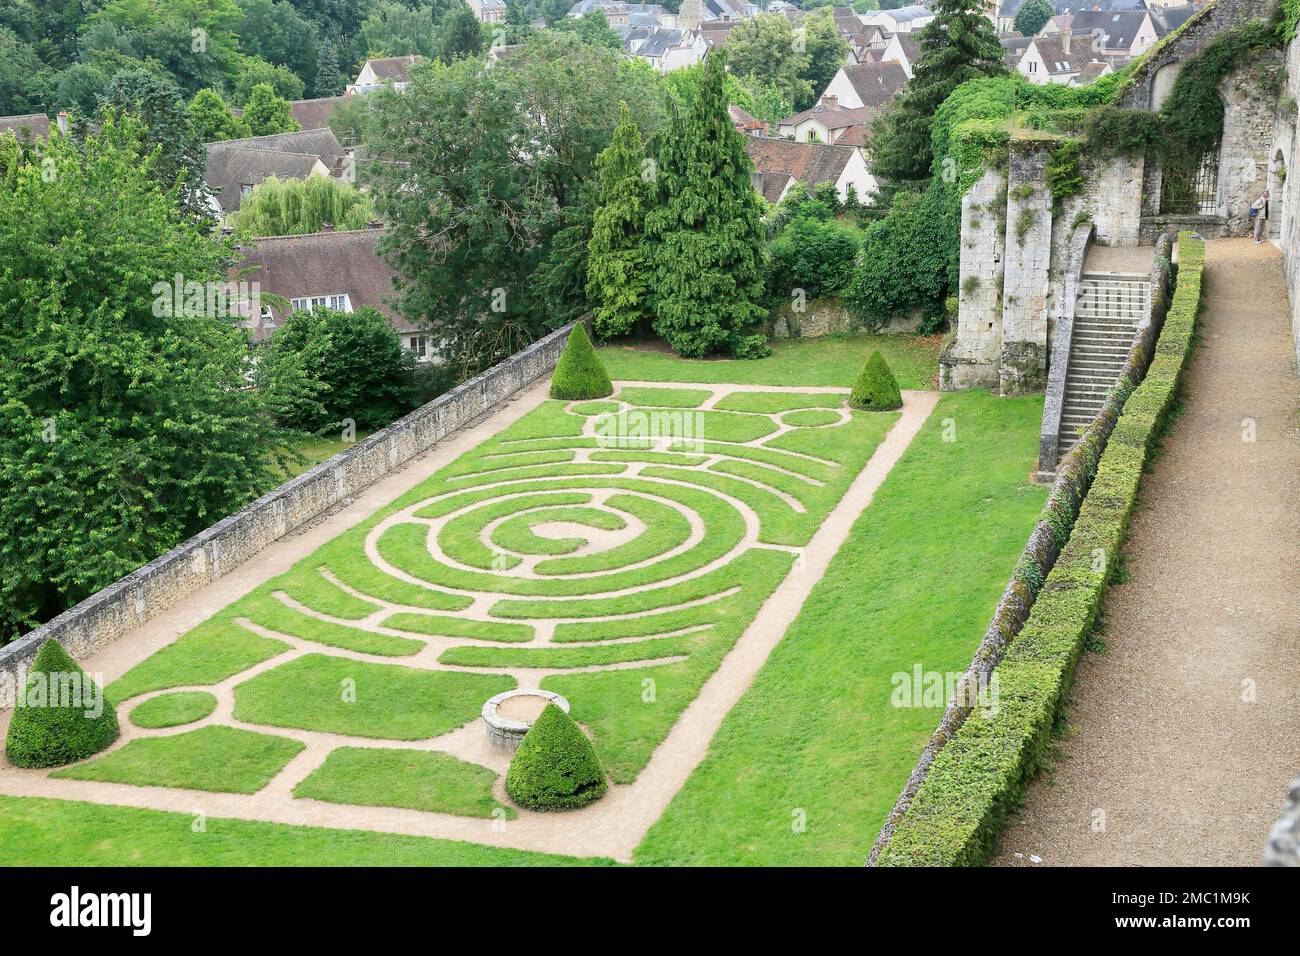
(1187, 731)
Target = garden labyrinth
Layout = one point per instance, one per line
(612, 551)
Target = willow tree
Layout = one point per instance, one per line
(706, 228)
(295, 207)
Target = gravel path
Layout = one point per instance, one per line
(1185, 733)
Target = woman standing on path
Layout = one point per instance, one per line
(1259, 214)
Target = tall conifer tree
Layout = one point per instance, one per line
(618, 274)
(959, 44)
(706, 228)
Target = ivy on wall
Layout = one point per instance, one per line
(1190, 121)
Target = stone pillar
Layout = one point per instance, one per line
(970, 360)
(1022, 363)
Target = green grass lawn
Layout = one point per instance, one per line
(40, 832)
(832, 360)
(414, 779)
(805, 767)
(341, 696)
(172, 710)
(224, 759)
(814, 739)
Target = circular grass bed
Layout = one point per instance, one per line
(172, 710)
(811, 418)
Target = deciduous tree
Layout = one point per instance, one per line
(267, 113)
(125, 426)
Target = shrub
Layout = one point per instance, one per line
(810, 254)
(876, 388)
(980, 774)
(579, 373)
(904, 261)
(322, 367)
(556, 767)
(751, 347)
(50, 726)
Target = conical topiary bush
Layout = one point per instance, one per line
(876, 388)
(579, 373)
(63, 715)
(555, 767)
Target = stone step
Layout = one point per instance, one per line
(1088, 380)
(1107, 335)
(1128, 315)
(1119, 323)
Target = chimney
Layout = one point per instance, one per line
(830, 101)
(1065, 42)
(62, 120)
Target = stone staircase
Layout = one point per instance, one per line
(1110, 306)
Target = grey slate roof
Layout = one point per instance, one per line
(660, 42)
(1119, 26)
(1168, 19)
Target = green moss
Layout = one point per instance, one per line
(62, 716)
(876, 388)
(555, 767)
(579, 374)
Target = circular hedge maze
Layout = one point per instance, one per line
(610, 551)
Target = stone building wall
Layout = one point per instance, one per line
(1284, 175)
(1022, 365)
(162, 583)
(1191, 37)
(1112, 198)
(1250, 96)
(970, 359)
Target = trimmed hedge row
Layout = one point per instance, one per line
(980, 775)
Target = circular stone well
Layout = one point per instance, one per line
(508, 716)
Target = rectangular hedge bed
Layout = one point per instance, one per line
(980, 775)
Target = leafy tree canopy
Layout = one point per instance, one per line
(478, 169)
(1032, 17)
(125, 426)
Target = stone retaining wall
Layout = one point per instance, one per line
(162, 583)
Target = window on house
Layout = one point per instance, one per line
(1032, 66)
(339, 303)
(245, 190)
(419, 344)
